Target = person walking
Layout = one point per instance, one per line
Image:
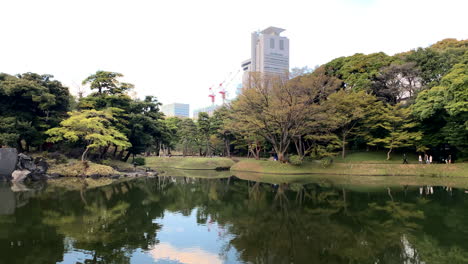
(430, 159)
(420, 159)
(449, 159)
(405, 159)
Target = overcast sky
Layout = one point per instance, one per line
(176, 50)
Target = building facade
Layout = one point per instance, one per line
(209, 110)
(269, 55)
(176, 109)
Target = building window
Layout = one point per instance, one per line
(281, 44)
(272, 43)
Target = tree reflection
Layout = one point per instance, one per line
(265, 223)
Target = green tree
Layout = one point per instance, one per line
(448, 100)
(107, 83)
(188, 136)
(398, 126)
(91, 127)
(205, 129)
(31, 103)
(347, 110)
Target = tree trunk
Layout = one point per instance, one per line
(343, 151)
(115, 150)
(388, 153)
(127, 156)
(83, 157)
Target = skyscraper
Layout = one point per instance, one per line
(269, 55)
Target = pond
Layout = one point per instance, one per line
(230, 220)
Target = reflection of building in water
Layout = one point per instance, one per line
(14, 197)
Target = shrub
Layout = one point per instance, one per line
(326, 162)
(139, 161)
(295, 160)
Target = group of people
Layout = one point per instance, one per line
(428, 159)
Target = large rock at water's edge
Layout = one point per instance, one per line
(25, 162)
(20, 175)
(8, 158)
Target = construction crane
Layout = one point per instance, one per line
(222, 87)
(212, 95)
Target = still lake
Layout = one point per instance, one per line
(173, 220)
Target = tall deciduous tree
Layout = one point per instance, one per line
(273, 110)
(347, 110)
(398, 126)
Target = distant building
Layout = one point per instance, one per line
(209, 110)
(269, 55)
(176, 109)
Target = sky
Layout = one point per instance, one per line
(175, 50)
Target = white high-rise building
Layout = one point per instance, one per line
(269, 55)
(176, 109)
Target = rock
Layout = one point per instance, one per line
(54, 176)
(37, 176)
(8, 159)
(25, 162)
(20, 175)
(41, 165)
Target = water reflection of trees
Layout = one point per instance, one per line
(267, 223)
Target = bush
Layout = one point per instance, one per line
(295, 160)
(139, 161)
(326, 162)
(58, 157)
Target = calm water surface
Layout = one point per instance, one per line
(189, 220)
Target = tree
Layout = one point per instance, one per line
(397, 83)
(448, 101)
(31, 103)
(397, 123)
(106, 83)
(358, 71)
(347, 110)
(220, 122)
(273, 110)
(205, 129)
(91, 127)
(187, 134)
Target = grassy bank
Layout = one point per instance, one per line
(192, 163)
(361, 183)
(273, 167)
(77, 168)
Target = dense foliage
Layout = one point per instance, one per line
(415, 101)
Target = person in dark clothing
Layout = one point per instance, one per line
(405, 159)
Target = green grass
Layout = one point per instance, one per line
(376, 157)
(77, 168)
(274, 167)
(192, 163)
(357, 183)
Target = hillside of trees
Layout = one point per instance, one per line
(416, 101)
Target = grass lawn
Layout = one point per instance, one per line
(356, 183)
(191, 163)
(376, 157)
(310, 167)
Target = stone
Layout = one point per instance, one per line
(20, 175)
(8, 159)
(25, 162)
